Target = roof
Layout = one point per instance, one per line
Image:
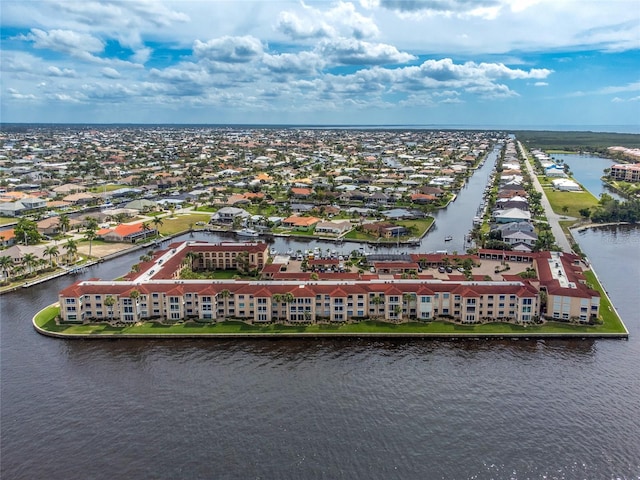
(301, 221)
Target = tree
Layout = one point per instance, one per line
(26, 231)
(51, 251)
(585, 212)
(225, 294)
(109, 302)
(377, 301)
(408, 299)
(544, 242)
(72, 248)
(190, 258)
(6, 264)
(90, 235)
(64, 223)
(157, 223)
(276, 300)
(134, 295)
(30, 260)
(288, 299)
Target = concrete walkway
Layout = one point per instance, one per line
(552, 217)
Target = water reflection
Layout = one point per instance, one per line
(291, 350)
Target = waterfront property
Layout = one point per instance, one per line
(626, 172)
(156, 292)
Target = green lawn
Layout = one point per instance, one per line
(7, 220)
(574, 201)
(46, 320)
(420, 225)
(609, 316)
(181, 223)
(107, 188)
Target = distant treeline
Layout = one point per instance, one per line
(577, 141)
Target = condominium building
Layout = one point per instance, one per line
(156, 293)
(626, 172)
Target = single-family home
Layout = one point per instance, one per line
(566, 185)
(126, 233)
(333, 228)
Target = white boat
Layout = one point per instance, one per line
(448, 238)
(247, 232)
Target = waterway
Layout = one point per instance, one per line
(410, 409)
(456, 221)
(588, 170)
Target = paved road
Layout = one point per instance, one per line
(552, 217)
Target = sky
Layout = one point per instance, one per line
(361, 62)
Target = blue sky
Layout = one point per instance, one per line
(384, 62)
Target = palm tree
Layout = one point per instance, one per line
(6, 264)
(397, 310)
(64, 223)
(276, 299)
(145, 227)
(51, 251)
(225, 294)
(189, 258)
(288, 299)
(377, 301)
(157, 223)
(109, 302)
(72, 248)
(409, 298)
(29, 260)
(91, 236)
(134, 295)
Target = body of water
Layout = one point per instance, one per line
(588, 170)
(326, 409)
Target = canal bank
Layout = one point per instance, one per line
(45, 323)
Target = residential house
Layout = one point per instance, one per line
(227, 215)
(384, 229)
(511, 215)
(7, 237)
(126, 233)
(565, 184)
(333, 228)
(300, 223)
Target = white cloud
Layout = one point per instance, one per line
(624, 100)
(478, 8)
(15, 94)
(61, 72)
(303, 28)
(65, 41)
(630, 87)
(341, 20)
(229, 49)
(541, 84)
(109, 72)
(356, 52)
(302, 63)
